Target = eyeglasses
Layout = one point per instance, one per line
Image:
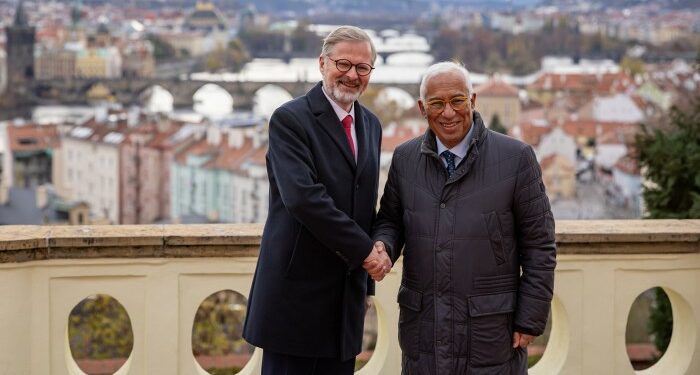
(458, 103)
(344, 65)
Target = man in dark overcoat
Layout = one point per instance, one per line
(307, 303)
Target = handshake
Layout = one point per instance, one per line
(377, 264)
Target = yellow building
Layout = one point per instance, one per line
(98, 63)
(559, 175)
(496, 97)
(54, 64)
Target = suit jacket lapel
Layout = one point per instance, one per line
(328, 121)
(362, 133)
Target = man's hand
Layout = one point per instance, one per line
(522, 340)
(377, 263)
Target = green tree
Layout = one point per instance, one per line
(496, 124)
(632, 65)
(660, 324)
(672, 161)
(519, 56)
(232, 58)
(217, 329)
(162, 50)
(671, 158)
(237, 55)
(100, 328)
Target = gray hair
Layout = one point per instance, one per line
(445, 67)
(347, 34)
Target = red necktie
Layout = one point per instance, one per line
(347, 124)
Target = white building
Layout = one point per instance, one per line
(91, 169)
(557, 142)
(616, 108)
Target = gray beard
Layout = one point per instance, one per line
(339, 95)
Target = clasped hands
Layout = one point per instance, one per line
(377, 264)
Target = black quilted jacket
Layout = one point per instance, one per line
(479, 253)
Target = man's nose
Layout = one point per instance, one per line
(448, 111)
(352, 73)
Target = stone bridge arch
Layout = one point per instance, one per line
(127, 91)
(267, 98)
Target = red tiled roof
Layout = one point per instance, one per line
(230, 158)
(101, 366)
(401, 134)
(548, 161)
(259, 156)
(628, 165)
(605, 83)
(596, 129)
(642, 352)
(32, 137)
(496, 87)
(619, 135)
(199, 147)
(531, 133)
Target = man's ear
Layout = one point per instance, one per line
(473, 101)
(422, 108)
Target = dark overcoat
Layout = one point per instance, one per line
(467, 239)
(309, 289)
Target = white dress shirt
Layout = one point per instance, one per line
(341, 113)
(460, 149)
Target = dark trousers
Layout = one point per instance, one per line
(283, 364)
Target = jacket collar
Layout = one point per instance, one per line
(328, 121)
(429, 146)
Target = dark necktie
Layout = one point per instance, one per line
(347, 125)
(450, 158)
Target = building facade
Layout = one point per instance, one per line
(91, 168)
(19, 58)
(497, 98)
(55, 64)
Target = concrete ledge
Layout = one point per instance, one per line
(32, 243)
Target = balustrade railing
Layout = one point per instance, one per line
(161, 275)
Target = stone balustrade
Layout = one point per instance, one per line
(161, 274)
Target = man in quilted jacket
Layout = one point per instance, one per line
(467, 208)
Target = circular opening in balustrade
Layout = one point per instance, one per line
(649, 328)
(100, 337)
(217, 342)
(535, 351)
(369, 338)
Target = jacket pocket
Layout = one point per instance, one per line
(306, 257)
(495, 236)
(490, 323)
(409, 320)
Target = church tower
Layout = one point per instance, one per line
(20, 52)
